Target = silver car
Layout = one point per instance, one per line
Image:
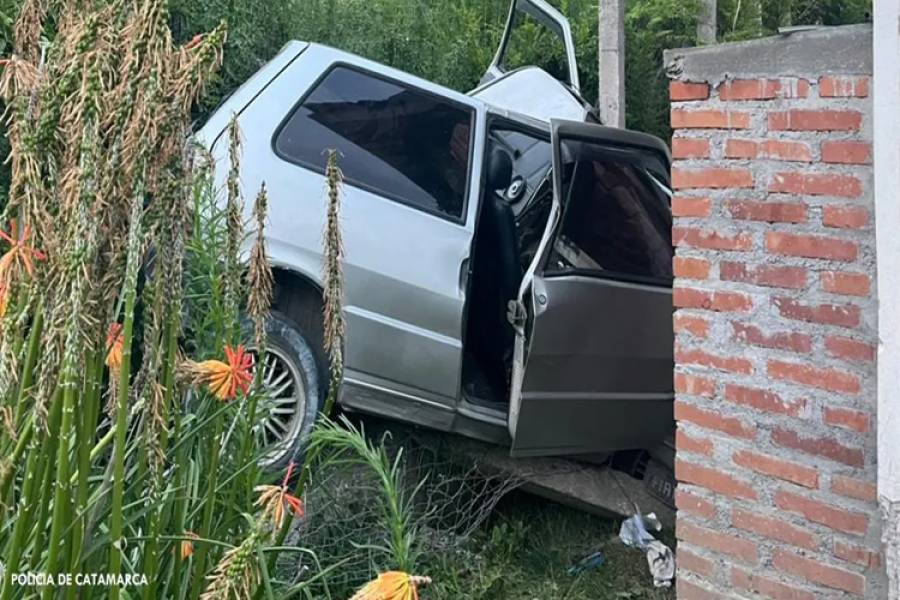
(508, 260)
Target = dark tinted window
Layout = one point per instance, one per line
(616, 220)
(395, 141)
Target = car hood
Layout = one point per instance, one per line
(533, 92)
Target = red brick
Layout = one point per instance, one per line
(772, 212)
(711, 240)
(713, 361)
(709, 300)
(713, 420)
(689, 561)
(816, 571)
(846, 418)
(845, 217)
(774, 529)
(713, 480)
(769, 588)
(764, 275)
(695, 505)
(811, 246)
(741, 148)
(778, 468)
(825, 514)
(825, 378)
(845, 315)
(690, 591)
(825, 447)
(831, 86)
(694, 386)
(851, 487)
(690, 147)
(857, 554)
(847, 349)
(815, 120)
(692, 445)
(690, 268)
(709, 119)
(711, 177)
(785, 150)
(784, 340)
(717, 541)
(763, 89)
(695, 326)
(849, 153)
(685, 90)
(763, 400)
(850, 284)
(691, 206)
(816, 184)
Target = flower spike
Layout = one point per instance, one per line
(20, 254)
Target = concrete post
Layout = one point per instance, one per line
(706, 22)
(886, 107)
(612, 63)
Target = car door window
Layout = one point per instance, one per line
(617, 218)
(397, 141)
(538, 43)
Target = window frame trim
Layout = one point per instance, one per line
(353, 182)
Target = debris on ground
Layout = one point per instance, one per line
(591, 561)
(660, 559)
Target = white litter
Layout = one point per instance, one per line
(660, 559)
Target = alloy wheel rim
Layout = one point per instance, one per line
(282, 406)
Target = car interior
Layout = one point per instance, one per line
(515, 205)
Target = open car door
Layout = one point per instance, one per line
(536, 35)
(593, 360)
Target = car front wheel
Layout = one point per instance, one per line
(292, 393)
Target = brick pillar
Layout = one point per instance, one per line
(775, 319)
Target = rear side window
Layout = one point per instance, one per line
(396, 141)
(617, 221)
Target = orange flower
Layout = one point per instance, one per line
(224, 379)
(4, 298)
(20, 253)
(274, 499)
(393, 585)
(187, 546)
(114, 342)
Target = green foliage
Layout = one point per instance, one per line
(451, 42)
(741, 20)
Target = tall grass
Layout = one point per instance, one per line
(121, 363)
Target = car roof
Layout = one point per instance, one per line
(528, 94)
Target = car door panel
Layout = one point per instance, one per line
(594, 348)
(593, 376)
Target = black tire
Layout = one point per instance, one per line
(287, 344)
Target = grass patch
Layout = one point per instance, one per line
(525, 550)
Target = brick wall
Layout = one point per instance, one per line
(775, 319)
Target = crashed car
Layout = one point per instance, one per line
(508, 260)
